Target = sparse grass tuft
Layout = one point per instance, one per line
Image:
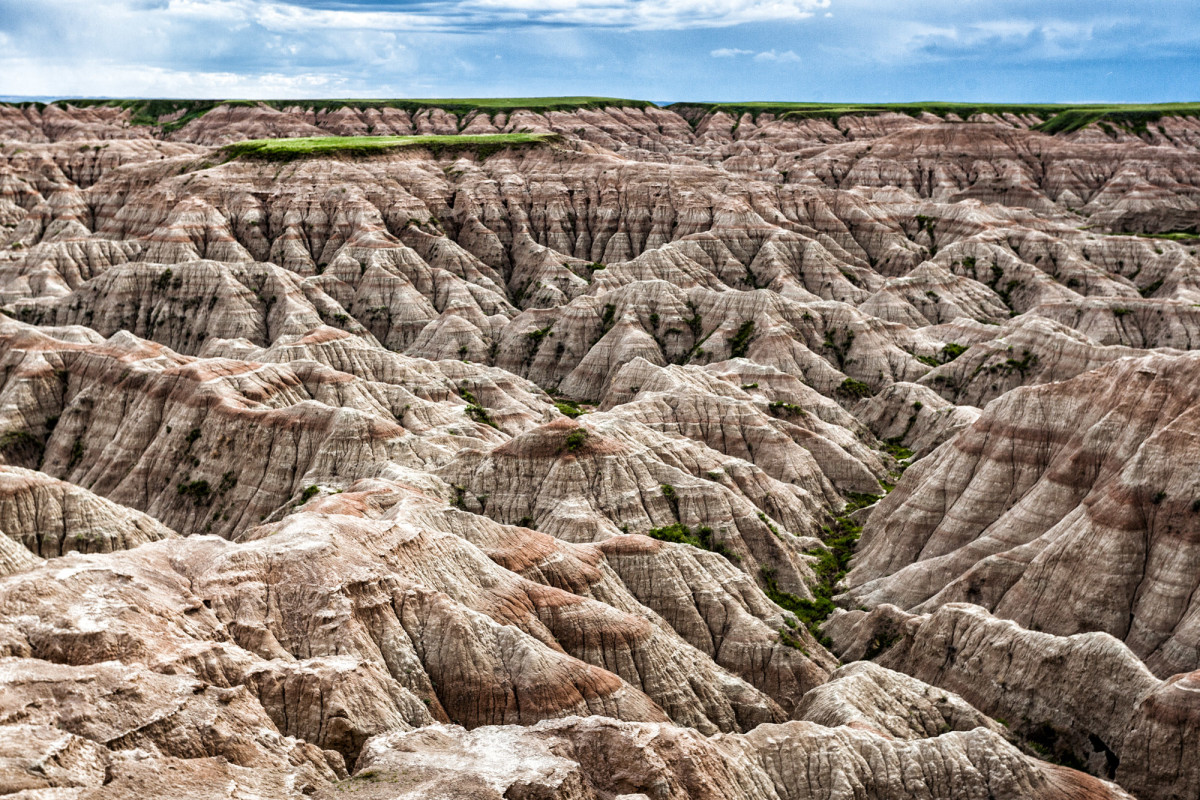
(701, 538)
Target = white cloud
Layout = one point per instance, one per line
(639, 14)
(786, 57)
(96, 80)
(765, 56)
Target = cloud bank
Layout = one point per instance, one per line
(836, 50)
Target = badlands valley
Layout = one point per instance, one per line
(585, 449)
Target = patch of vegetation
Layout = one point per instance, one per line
(880, 644)
(197, 490)
(22, 445)
(857, 500)
(1150, 289)
(483, 145)
(928, 224)
(832, 564)
(480, 414)
(951, 351)
(855, 388)
(671, 497)
(536, 338)
(76, 453)
(608, 317)
(568, 408)
(476, 411)
(1028, 361)
(153, 112)
(740, 341)
(786, 409)
(897, 450)
(576, 439)
(308, 494)
(841, 350)
(770, 526)
(1170, 236)
(787, 640)
(1056, 118)
(1122, 312)
(701, 538)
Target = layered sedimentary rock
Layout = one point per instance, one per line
(51, 518)
(1084, 699)
(594, 758)
(1047, 480)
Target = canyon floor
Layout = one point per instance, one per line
(593, 450)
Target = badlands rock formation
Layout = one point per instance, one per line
(540, 471)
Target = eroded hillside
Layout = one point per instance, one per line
(601, 460)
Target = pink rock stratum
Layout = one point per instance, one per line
(675, 455)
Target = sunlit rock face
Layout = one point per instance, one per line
(537, 471)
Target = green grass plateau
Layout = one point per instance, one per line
(150, 112)
(290, 149)
(1056, 117)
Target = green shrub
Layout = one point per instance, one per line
(198, 490)
(740, 342)
(786, 409)
(854, 388)
(576, 439)
(537, 336)
(952, 350)
(701, 538)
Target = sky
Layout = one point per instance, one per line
(661, 50)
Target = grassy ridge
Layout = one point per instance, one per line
(1056, 117)
(316, 146)
(149, 112)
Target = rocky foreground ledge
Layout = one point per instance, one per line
(729, 452)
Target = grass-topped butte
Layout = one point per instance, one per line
(316, 146)
(182, 111)
(1056, 117)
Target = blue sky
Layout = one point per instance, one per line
(664, 50)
